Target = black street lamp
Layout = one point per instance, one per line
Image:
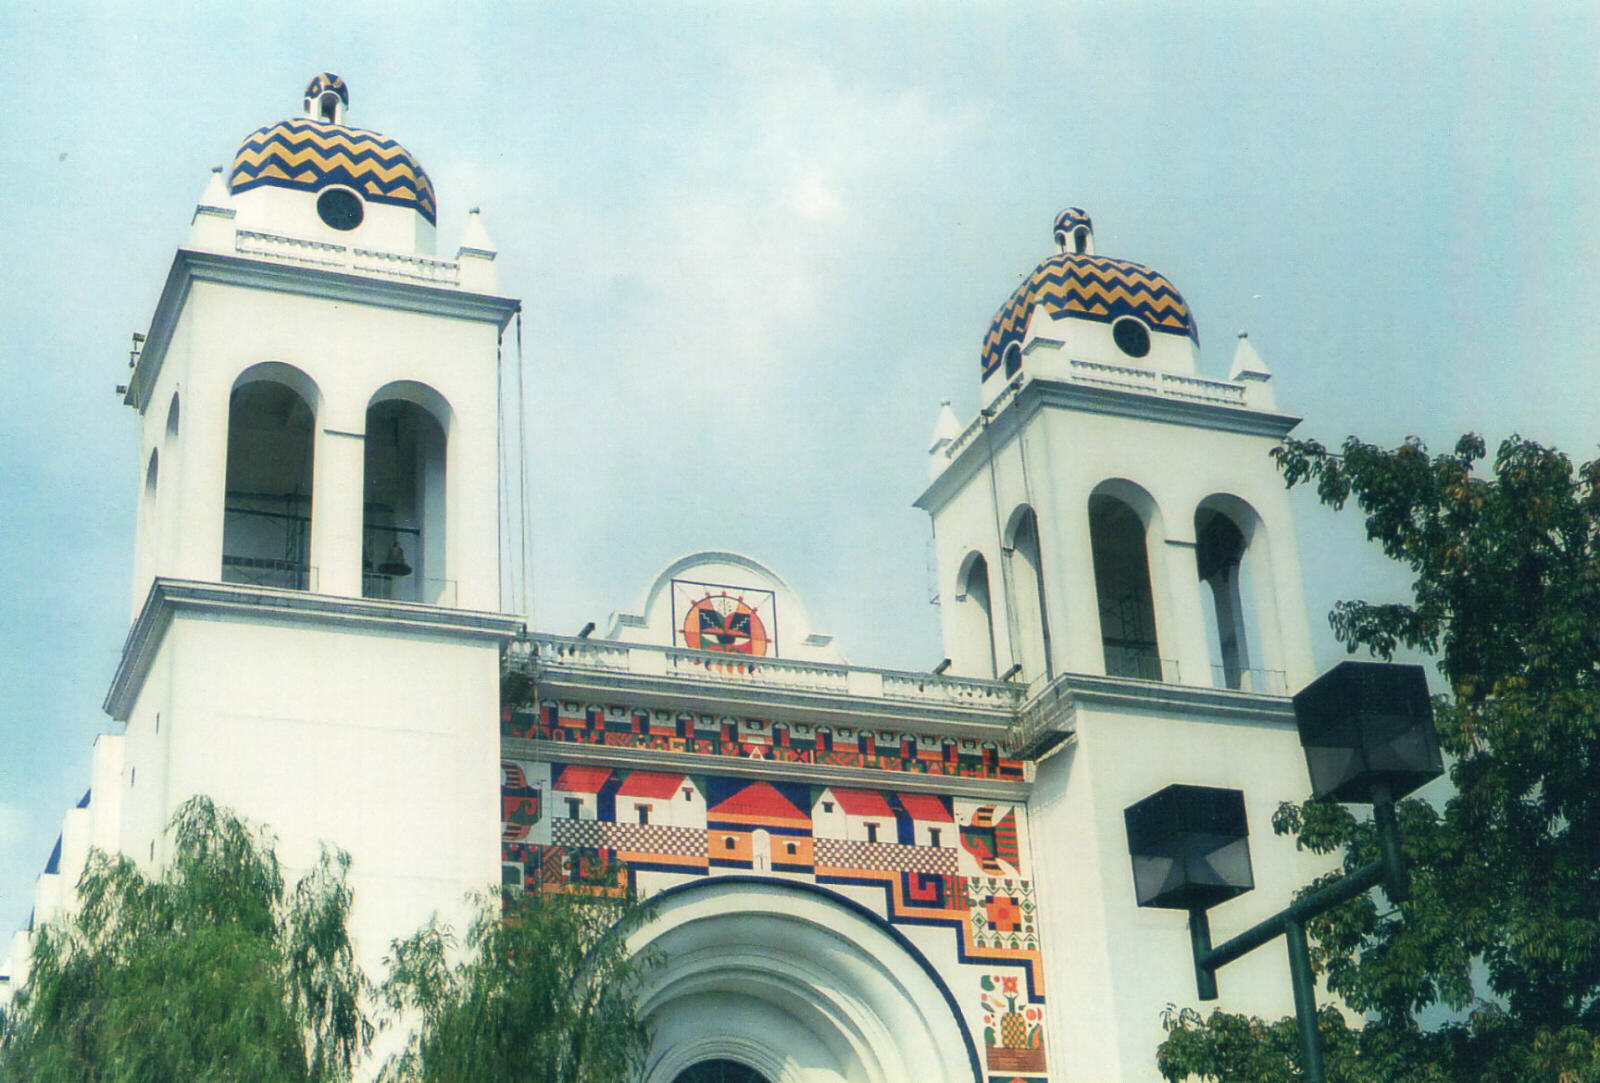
(1367, 731)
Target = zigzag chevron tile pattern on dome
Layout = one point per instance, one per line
(311, 154)
(1089, 287)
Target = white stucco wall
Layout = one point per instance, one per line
(1113, 967)
(380, 742)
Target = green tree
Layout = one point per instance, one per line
(1503, 926)
(205, 972)
(545, 993)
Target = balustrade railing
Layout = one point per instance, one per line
(1200, 389)
(1169, 385)
(370, 261)
(782, 673)
(648, 659)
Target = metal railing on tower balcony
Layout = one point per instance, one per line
(1139, 662)
(1265, 682)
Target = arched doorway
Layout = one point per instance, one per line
(788, 982)
(720, 1070)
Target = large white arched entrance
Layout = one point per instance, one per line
(798, 983)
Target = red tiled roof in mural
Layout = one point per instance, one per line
(757, 800)
(576, 779)
(655, 784)
(925, 807)
(862, 802)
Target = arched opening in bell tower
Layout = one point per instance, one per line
(151, 473)
(403, 513)
(1027, 583)
(1227, 559)
(1118, 534)
(975, 615)
(266, 518)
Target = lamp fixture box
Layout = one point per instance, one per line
(1367, 731)
(1190, 847)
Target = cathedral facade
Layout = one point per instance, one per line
(862, 874)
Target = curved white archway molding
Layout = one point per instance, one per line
(801, 984)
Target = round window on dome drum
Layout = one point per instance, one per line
(1013, 359)
(340, 208)
(1131, 336)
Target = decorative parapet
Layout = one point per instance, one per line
(338, 257)
(970, 433)
(534, 653)
(1170, 385)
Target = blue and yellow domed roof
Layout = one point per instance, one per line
(1087, 287)
(309, 153)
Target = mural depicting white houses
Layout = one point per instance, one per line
(666, 798)
(930, 819)
(853, 815)
(759, 826)
(576, 792)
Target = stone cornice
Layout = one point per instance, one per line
(191, 265)
(168, 597)
(1037, 393)
(561, 682)
(1122, 693)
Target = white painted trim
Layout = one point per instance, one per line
(190, 266)
(256, 603)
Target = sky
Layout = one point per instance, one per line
(757, 245)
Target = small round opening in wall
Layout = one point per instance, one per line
(1131, 336)
(340, 208)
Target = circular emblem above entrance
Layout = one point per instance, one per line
(720, 621)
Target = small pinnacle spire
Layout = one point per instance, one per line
(947, 428)
(474, 237)
(1247, 364)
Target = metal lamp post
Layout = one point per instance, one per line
(1367, 731)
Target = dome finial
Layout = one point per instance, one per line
(1074, 232)
(327, 98)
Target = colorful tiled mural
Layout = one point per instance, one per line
(751, 738)
(939, 862)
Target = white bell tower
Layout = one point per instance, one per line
(1109, 511)
(1111, 531)
(316, 632)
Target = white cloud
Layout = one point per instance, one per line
(12, 823)
(815, 199)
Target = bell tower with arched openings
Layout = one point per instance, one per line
(316, 591)
(1110, 512)
(1111, 532)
